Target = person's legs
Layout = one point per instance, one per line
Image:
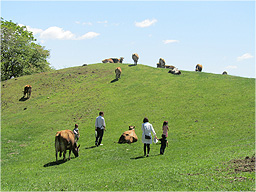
(101, 132)
(145, 149)
(97, 136)
(148, 148)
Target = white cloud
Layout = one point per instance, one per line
(33, 30)
(83, 23)
(231, 67)
(171, 41)
(145, 23)
(244, 56)
(87, 23)
(59, 33)
(102, 22)
(88, 35)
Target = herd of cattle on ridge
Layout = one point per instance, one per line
(161, 64)
(65, 140)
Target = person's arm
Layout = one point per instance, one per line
(96, 125)
(104, 124)
(154, 133)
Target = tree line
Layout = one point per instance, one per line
(20, 54)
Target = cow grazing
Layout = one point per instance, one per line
(135, 58)
(199, 67)
(65, 140)
(175, 71)
(224, 73)
(107, 61)
(128, 136)
(118, 72)
(27, 90)
(161, 63)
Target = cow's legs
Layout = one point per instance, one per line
(64, 155)
(56, 155)
(69, 154)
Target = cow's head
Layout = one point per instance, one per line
(76, 149)
(131, 127)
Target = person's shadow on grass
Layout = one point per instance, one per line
(141, 157)
(59, 162)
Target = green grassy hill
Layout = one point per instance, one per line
(211, 121)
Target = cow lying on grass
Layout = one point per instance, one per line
(128, 136)
(113, 60)
(118, 72)
(175, 71)
(27, 90)
(65, 140)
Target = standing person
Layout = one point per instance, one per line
(163, 140)
(147, 128)
(76, 132)
(164, 143)
(165, 128)
(100, 127)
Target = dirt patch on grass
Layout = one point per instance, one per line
(246, 164)
(243, 165)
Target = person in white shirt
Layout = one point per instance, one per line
(100, 127)
(147, 128)
(76, 132)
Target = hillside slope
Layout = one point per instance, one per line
(211, 120)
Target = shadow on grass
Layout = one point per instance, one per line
(141, 157)
(59, 162)
(114, 80)
(132, 65)
(23, 99)
(90, 147)
(55, 163)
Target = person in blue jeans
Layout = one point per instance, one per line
(100, 127)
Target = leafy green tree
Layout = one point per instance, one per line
(20, 55)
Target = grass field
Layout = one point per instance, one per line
(211, 121)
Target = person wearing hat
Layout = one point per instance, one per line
(147, 128)
(76, 132)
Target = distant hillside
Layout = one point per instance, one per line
(211, 120)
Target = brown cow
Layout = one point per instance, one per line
(107, 61)
(118, 72)
(161, 63)
(135, 58)
(199, 67)
(65, 140)
(27, 90)
(128, 136)
(169, 67)
(115, 60)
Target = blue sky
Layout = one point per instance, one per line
(220, 35)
